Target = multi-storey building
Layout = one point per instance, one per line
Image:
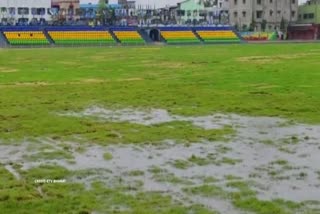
(309, 12)
(67, 9)
(24, 11)
(259, 15)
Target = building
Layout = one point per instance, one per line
(262, 15)
(67, 9)
(304, 32)
(309, 13)
(24, 11)
(190, 11)
(127, 4)
(308, 26)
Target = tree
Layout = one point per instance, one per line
(101, 13)
(111, 16)
(236, 26)
(208, 3)
(283, 25)
(252, 24)
(263, 25)
(244, 27)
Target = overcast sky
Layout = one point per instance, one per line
(157, 3)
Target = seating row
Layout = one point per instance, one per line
(126, 36)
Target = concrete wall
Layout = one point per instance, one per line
(242, 12)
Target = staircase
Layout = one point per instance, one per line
(114, 36)
(239, 36)
(198, 36)
(162, 39)
(145, 36)
(48, 37)
(3, 40)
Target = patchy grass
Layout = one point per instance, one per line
(25, 197)
(281, 81)
(194, 160)
(136, 173)
(181, 164)
(162, 175)
(199, 160)
(206, 191)
(244, 198)
(43, 86)
(107, 156)
(52, 155)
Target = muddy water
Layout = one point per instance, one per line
(279, 157)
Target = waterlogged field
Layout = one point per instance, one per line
(193, 129)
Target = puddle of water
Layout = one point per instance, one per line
(258, 142)
(255, 128)
(154, 116)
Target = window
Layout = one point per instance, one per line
(244, 1)
(12, 10)
(311, 16)
(244, 14)
(293, 14)
(259, 14)
(259, 2)
(271, 1)
(271, 12)
(34, 11)
(293, 1)
(38, 11)
(23, 11)
(235, 14)
(235, 2)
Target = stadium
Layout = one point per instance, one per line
(158, 119)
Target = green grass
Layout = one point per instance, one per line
(107, 156)
(207, 191)
(136, 173)
(38, 84)
(49, 155)
(207, 79)
(24, 196)
(244, 198)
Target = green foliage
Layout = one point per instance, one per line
(263, 25)
(102, 10)
(252, 24)
(283, 24)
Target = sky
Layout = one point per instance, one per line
(157, 3)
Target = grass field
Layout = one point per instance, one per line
(161, 129)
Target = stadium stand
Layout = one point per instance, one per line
(128, 35)
(80, 36)
(178, 35)
(86, 35)
(25, 36)
(217, 35)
